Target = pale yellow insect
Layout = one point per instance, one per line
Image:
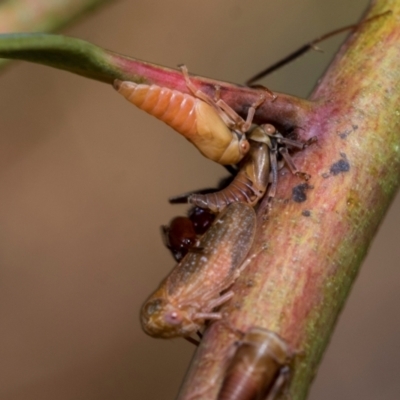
(187, 297)
(211, 125)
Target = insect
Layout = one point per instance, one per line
(186, 298)
(182, 233)
(258, 169)
(211, 125)
(258, 369)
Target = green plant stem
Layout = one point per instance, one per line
(41, 15)
(317, 233)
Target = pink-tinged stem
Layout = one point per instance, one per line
(317, 233)
(93, 62)
(285, 110)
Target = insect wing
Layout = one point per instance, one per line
(223, 247)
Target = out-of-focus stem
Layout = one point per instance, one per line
(41, 15)
(317, 233)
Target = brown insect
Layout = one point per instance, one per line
(258, 369)
(258, 169)
(211, 125)
(187, 297)
(182, 233)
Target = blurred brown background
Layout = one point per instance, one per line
(85, 178)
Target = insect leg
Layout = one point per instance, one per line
(274, 170)
(292, 165)
(196, 92)
(220, 300)
(227, 113)
(191, 340)
(297, 143)
(208, 316)
(243, 125)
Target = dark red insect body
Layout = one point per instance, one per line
(182, 233)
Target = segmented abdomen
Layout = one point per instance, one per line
(175, 108)
(248, 186)
(240, 190)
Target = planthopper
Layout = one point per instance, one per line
(188, 296)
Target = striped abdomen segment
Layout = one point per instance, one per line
(196, 120)
(174, 108)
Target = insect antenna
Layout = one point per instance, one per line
(308, 46)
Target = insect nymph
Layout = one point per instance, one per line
(186, 298)
(257, 170)
(259, 368)
(211, 125)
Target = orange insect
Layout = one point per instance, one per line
(259, 368)
(187, 297)
(212, 126)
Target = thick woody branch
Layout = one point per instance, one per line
(317, 233)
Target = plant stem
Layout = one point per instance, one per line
(317, 233)
(93, 62)
(41, 15)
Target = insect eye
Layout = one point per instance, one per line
(244, 146)
(153, 307)
(173, 318)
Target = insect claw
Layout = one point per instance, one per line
(303, 175)
(310, 141)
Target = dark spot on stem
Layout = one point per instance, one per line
(299, 192)
(340, 166)
(347, 132)
(344, 134)
(306, 213)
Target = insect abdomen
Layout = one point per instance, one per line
(248, 186)
(174, 108)
(240, 190)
